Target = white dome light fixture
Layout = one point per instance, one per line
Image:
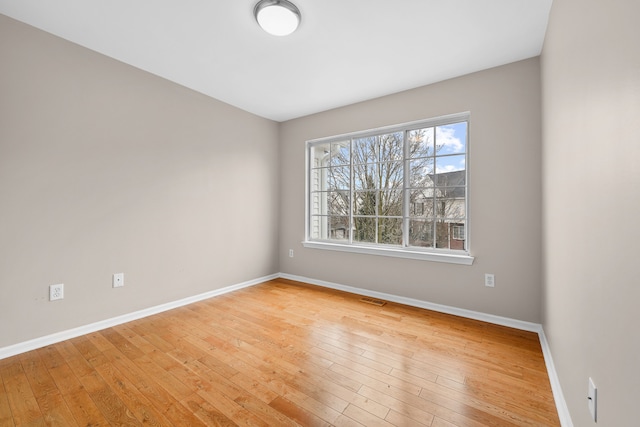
(277, 17)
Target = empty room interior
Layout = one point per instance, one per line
(189, 234)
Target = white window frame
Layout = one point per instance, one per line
(429, 254)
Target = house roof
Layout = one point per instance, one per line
(452, 183)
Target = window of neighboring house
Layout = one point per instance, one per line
(417, 208)
(398, 191)
(457, 232)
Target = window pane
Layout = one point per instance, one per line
(338, 178)
(378, 148)
(442, 235)
(421, 203)
(421, 233)
(340, 153)
(390, 175)
(387, 175)
(364, 150)
(390, 231)
(364, 176)
(450, 235)
(390, 203)
(338, 202)
(451, 208)
(365, 230)
(364, 203)
(421, 172)
(391, 147)
(451, 138)
(421, 142)
(339, 228)
(449, 164)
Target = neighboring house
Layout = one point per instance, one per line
(445, 201)
(439, 206)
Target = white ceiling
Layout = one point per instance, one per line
(344, 51)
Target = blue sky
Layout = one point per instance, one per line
(453, 139)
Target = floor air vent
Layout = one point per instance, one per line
(372, 301)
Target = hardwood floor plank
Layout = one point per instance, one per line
(37, 374)
(265, 412)
(22, 402)
(255, 387)
(166, 380)
(344, 421)
(205, 412)
(289, 354)
(73, 358)
(6, 418)
(364, 417)
(84, 409)
(439, 422)
(120, 343)
(482, 410)
(398, 419)
(136, 339)
(87, 349)
(128, 393)
(55, 410)
(405, 405)
(417, 408)
(297, 413)
(106, 399)
(231, 409)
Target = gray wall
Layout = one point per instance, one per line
(505, 194)
(104, 169)
(591, 170)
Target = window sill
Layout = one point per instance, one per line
(451, 258)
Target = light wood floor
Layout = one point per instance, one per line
(284, 354)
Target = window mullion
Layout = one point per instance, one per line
(406, 190)
(434, 198)
(351, 192)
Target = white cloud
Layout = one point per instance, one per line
(450, 163)
(445, 136)
(447, 168)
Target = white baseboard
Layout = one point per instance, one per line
(469, 314)
(558, 396)
(561, 404)
(36, 343)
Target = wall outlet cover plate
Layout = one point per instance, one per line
(56, 292)
(593, 400)
(118, 280)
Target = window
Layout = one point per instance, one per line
(418, 208)
(399, 191)
(458, 232)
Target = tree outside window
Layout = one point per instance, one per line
(405, 187)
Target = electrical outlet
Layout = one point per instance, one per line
(489, 280)
(592, 398)
(56, 292)
(290, 253)
(118, 280)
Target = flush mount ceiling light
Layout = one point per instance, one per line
(277, 17)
